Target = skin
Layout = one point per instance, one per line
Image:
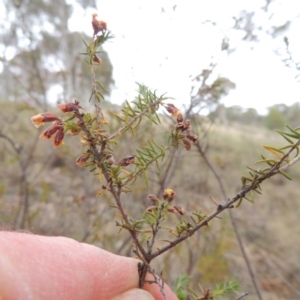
(38, 267)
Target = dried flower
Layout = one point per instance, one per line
(187, 145)
(173, 110)
(40, 119)
(97, 59)
(98, 25)
(152, 198)
(69, 107)
(59, 136)
(127, 161)
(82, 159)
(50, 131)
(169, 195)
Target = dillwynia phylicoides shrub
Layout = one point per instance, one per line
(99, 144)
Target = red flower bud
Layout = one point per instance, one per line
(187, 145)
(192, 137)
(183, 125)
(152, 198)
(98, 25)
(97, 59)
(58, 139)
(50, 131)
(173, 110)
(82, 159)
(40, 119)
(127, 161)
(69, 107)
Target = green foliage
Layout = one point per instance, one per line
(181, 286)
(226, 288)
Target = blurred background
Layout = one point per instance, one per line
(232, 67)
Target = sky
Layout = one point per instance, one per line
(164, 44)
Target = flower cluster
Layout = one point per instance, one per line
(167, 196)
(182, 126)
(56, 130)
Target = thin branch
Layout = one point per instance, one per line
(229, 203)
(242, 296)
(133, 120)
(98, 155)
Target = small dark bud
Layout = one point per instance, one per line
(152, 198)
(173, 110)
(97, 59)
(127, 161)
(82, 159)
(152, 208)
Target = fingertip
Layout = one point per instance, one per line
(134, 294)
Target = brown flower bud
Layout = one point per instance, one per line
(192, 137)
(127, 161)
(73, 131)
(183, 125)
(97, 59)
(82, 159)
(98, 25)
(69, 107)
(152, 208)
(179, 118)
(179, 209)
(172, 109)
(40, 119)
(169, 195)
(50, 131)
(58, 139)
(79, 123)
(152, 198)
(176, 209)
(187, 145)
